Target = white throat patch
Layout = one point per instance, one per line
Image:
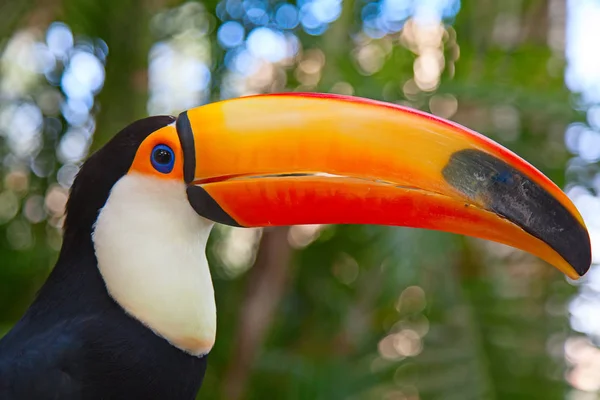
(150, 245)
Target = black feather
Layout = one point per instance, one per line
(75, 342)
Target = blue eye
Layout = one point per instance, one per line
(163, 158)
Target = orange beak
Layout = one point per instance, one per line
(288, 159)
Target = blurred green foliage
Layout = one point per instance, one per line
(360, 312)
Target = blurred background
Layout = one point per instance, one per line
(328, 312)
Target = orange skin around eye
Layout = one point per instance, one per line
(142, 162)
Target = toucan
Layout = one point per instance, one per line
(129, 310)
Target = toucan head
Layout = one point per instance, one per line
(152, 194)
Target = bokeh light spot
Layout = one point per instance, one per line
(59, 39)
(286, 16)
(267, 44)
(231, 34)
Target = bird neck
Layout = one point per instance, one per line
(74, 285)
(150, 245)
(75, 326)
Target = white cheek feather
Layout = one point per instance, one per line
(150, 245)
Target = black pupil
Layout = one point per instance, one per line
(162, 156)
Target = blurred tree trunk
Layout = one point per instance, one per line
(337, 45)
(11, 16)
(267, 279)
(265, 288)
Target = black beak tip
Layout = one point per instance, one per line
(516, 197)
(581, 257)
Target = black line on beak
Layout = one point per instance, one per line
(186, 138)
(198, 198)
(207, 207)
(507, 192)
